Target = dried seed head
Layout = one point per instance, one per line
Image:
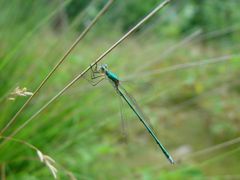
(49, 162)
(19, 92)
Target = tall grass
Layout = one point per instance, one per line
(194, 107)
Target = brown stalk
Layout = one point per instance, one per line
(81, 36)
(152, 13)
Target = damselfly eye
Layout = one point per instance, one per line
(103, 67)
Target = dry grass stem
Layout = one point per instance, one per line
(202, 152)
(82, 35)
(47, 160)
(152, 13)
(184, 66)
(194, 37)
(171, 49)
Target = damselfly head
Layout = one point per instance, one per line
(104, 68)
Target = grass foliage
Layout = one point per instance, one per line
(193, 101)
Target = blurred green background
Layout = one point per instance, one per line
(182, 67)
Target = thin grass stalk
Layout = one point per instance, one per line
(49, 162)
(152, 13)
(201, 95)
(201, 152)
(192, 38)
(214, 158)
(173, 48)
(203, 163)
(214, 148)
(224, 85)
(184, 66)
(82, 35)
(60, 41)
(83, 13)
(69, 173)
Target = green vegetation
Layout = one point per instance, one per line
(182, 67)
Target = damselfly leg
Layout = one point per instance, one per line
(96, 75)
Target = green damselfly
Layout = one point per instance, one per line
(103, 72)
